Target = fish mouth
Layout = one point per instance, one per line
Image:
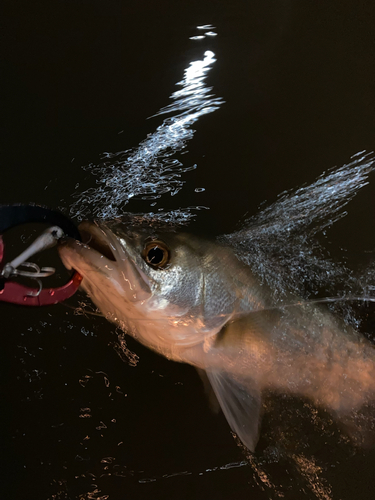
(103, 263)
(95, 238)
(95, 249)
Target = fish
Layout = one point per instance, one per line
(194, 301)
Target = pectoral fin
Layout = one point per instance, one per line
(211, 396)
(241, 403)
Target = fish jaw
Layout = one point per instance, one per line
(110, 278)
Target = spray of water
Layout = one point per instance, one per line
(279, 243)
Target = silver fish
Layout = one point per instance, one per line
(194, 301)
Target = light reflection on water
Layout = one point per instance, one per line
(152, 169)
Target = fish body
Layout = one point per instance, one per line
(193, 301)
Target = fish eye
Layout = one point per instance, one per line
(156, 254)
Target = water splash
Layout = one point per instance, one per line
(279, 243)
(152, 169)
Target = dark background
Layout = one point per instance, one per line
(298, 81)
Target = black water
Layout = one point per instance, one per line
(81, 77)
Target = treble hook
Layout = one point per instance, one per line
(33, 275)
(47, 239)
(39, 273)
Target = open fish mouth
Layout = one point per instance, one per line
(105, 264)
(96, 248)
(93, 253)
(95, 238)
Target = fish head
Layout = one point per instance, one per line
(170, 290)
